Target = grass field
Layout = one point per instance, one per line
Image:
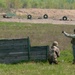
(65, 67)
(40, 34)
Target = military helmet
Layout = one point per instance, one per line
(55, 43)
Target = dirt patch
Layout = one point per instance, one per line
(52, 13)
(54, 16)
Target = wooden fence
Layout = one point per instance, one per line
(39, 53)
(16, 50)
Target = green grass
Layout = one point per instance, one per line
(65, 67)
(40, 34)
(38, 69)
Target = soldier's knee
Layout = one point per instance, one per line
(56, 62)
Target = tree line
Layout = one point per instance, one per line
(56, 4)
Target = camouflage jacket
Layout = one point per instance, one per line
(70, 36)
(54, 52)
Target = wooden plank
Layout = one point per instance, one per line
(13, 44)
(13, 59)
(38, 51)
(38, 57)
(38, 48)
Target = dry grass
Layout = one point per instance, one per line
(52, 13)
(40, 34)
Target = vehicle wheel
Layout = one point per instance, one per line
(64, 18)
(45, 16)
(29, 17)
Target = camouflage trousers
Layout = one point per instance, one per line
(52, 60)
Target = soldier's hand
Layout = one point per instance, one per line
(62, 31)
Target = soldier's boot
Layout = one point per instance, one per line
(55, 62)
(50, 62)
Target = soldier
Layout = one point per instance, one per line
(54, 52)
(72, 42)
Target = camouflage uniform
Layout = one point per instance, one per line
(72, 42)
(54, 52)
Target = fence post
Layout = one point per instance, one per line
(28, 49)
(47, 52)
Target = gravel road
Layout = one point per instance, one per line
(42, 21)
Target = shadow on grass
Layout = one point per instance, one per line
(21, 62)
(36, 61)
